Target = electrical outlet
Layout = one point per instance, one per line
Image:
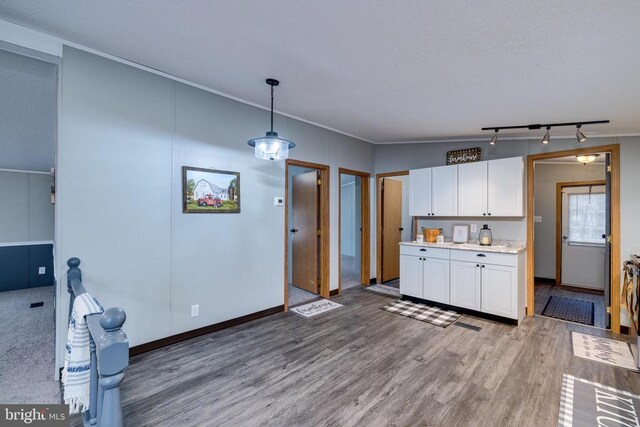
(42, 270)
(474, 228)
(195, 310)
(537, 219)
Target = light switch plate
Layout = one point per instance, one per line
(537, 219)
(195, 310)
(42, 270)
(278, 201)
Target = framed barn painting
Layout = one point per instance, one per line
(210, 191)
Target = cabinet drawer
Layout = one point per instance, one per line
(485, 257)
(425, 251)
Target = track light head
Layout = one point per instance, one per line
(494, 139)
(545, 138)
(579, 135)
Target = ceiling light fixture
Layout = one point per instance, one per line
(587, 158)
(494, 139)
(581, 137)
(545, 138)
(271, 146)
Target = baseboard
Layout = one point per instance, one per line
(373, 281)
(583, 290)
(544, 280)
(334, 292)
(624, 330)
(174, 339)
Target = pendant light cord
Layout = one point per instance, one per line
(271, 108)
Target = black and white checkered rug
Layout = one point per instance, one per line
(573, 310)
(433, 315)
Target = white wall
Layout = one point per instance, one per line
(348, 215)
(26, 212)
(126, 133)
(546, 178)
(394, 157)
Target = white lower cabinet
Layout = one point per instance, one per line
(465, 284)
(426, 278)
(499, 290)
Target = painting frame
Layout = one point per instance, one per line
(201, 195)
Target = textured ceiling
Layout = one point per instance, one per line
(28, 104)
(380, 70)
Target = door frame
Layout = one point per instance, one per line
(559, 187)
(325, 229)
(614, 150)
(365, 245)
(379, 177)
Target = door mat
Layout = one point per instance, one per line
(587, 403)
(604, 350)
(315, 308)
(384, 289)
(433, 315)
(573, 310)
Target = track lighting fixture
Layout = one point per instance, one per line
(581, 137)
(494, 139)
(545, 138)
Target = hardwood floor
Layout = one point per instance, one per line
(544, 290)
(360, 365)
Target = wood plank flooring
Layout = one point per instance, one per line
(359, 365)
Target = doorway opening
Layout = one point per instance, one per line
(306, 232)
(394, 225)
(573, 227)
(354, 261)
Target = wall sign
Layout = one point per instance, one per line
(467, 155)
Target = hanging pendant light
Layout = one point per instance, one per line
(271, 146)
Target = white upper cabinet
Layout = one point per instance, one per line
(505, 187)
(444, 191)
(472, 189)
(420, 192)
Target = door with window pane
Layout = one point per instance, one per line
(583, 247)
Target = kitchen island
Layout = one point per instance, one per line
(483, 279)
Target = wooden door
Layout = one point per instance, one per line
(391, 228)
(607, 241)
(444, 190)
(304, 231)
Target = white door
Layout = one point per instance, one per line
(583, 224)
(499, 290)
(436, 280)
(420, 192)
(411, 275)
(465, 284)
(505, 191)
(472, 189)
(444, 191)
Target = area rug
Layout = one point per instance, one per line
(587, 403)
(434, 315)
(573, 310)
(383, 289)
(315, 308)
(603, 350)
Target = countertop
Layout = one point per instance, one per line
(498, 246)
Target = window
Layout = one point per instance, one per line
(587, 218)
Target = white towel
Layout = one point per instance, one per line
(77, 359)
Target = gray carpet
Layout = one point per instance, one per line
(27, 347)
(298, 296)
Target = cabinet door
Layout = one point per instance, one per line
(472, 189)
(411, 275)
(505, 187)
(465, 284)
(420, 192)
(436, 280)
(499, 290)
(444, 191)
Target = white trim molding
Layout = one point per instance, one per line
(31, 39)
(8, 244)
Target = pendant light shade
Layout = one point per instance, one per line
(271, 146)
(587, 158)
